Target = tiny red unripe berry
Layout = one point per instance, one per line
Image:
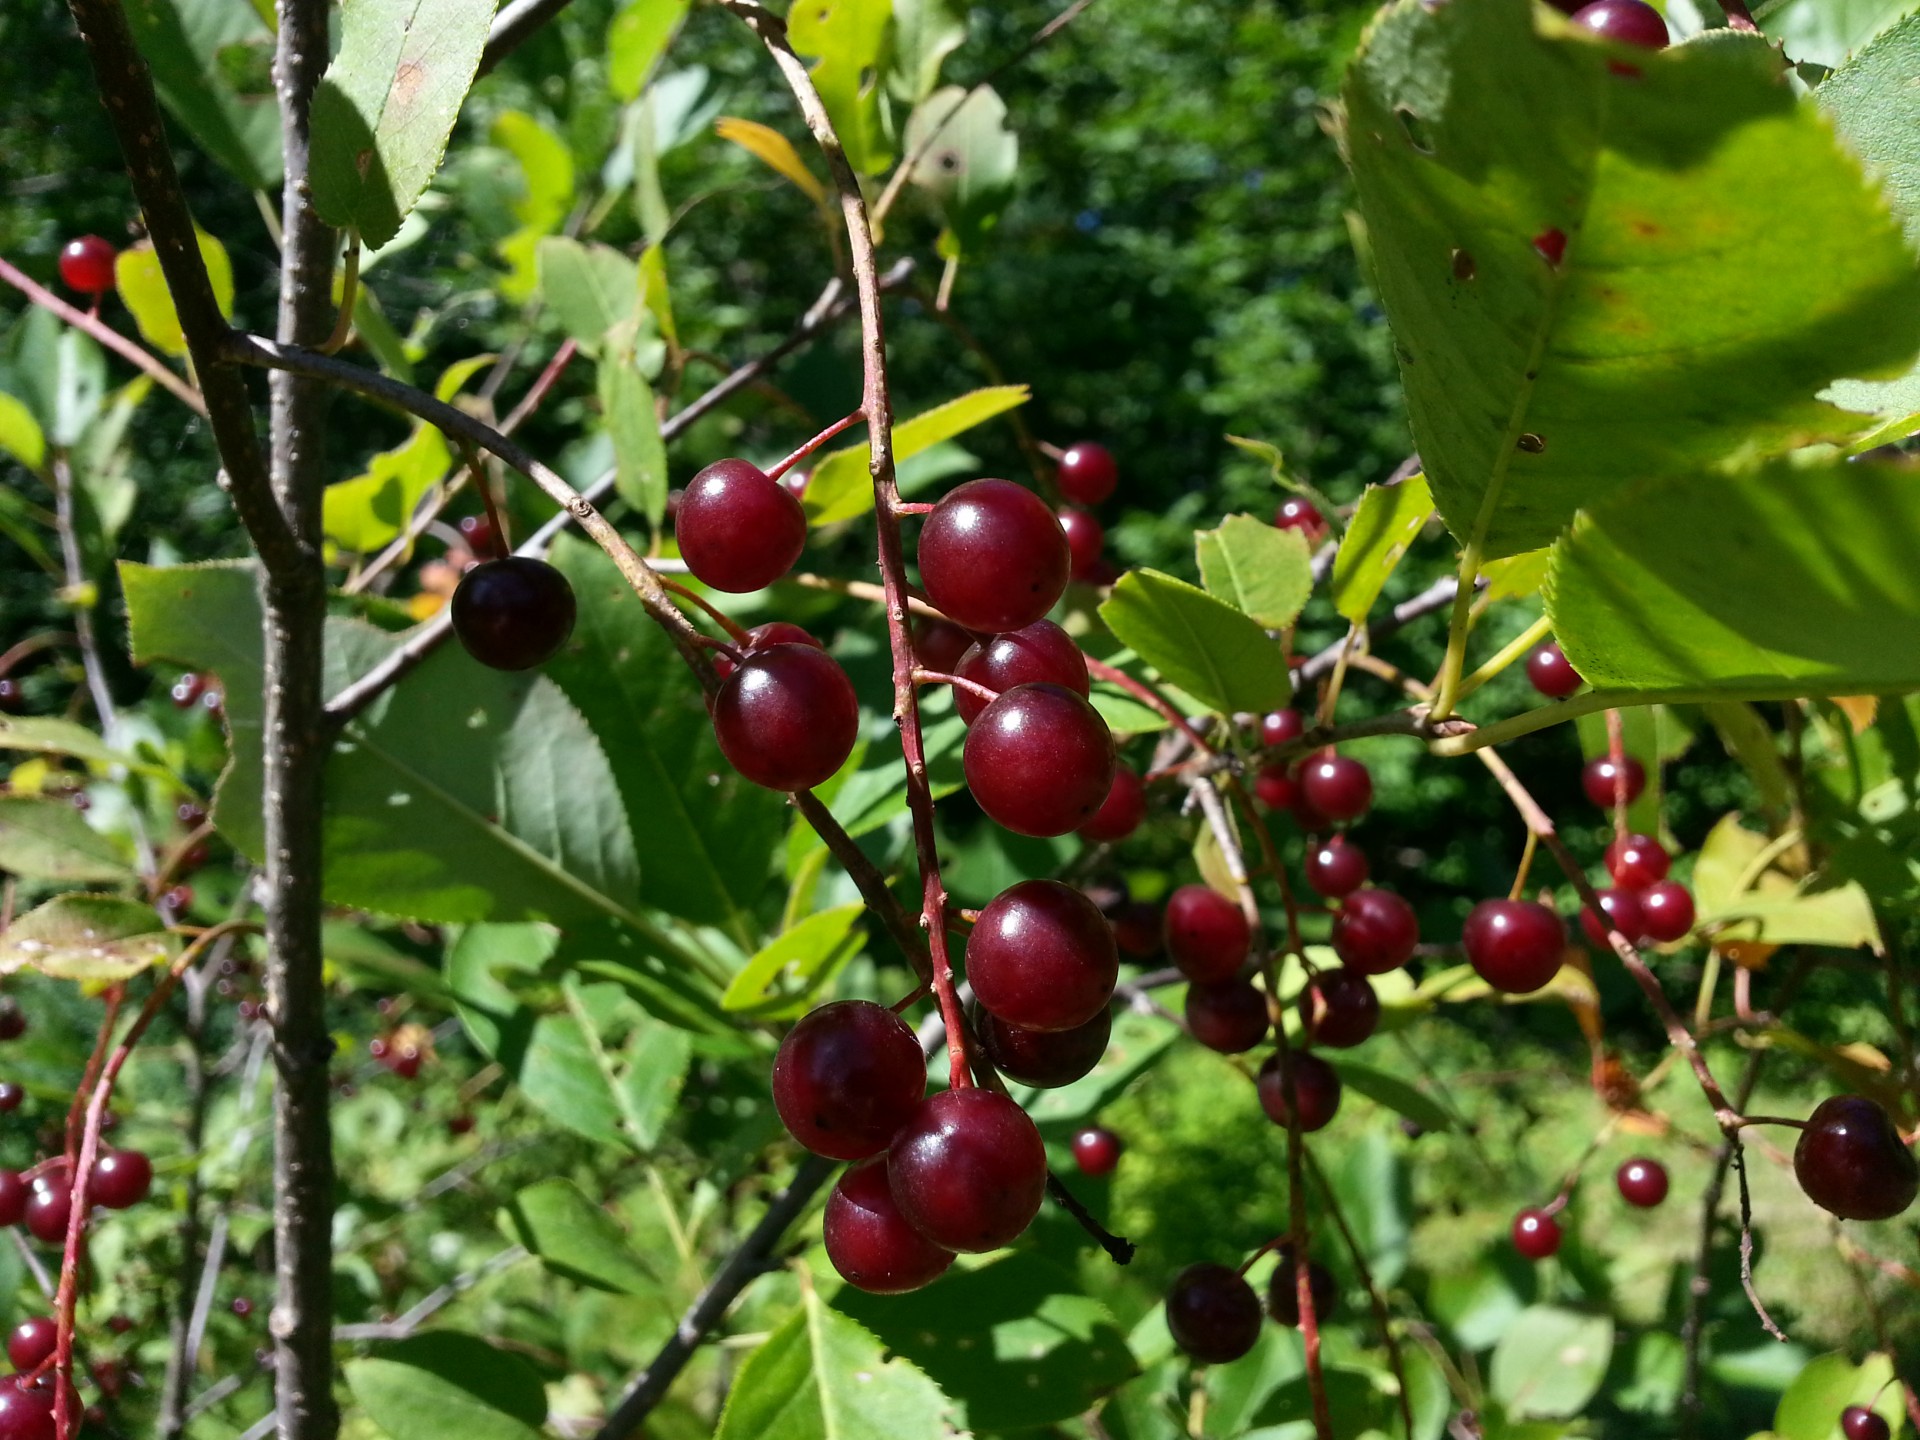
(1642, 1182)
(1298, 513)
(1598, 780)
(1088, 473)
(86, 265)
(1536, 1234)
(1552, 673)
(1096, 1150)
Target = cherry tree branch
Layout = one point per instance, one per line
(145, 360)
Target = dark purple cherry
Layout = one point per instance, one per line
(939, 644)
(1625, 22)
(1375, 931)
(787, 718)
(1121, 812)
(1213, 1314)
(870, 1242)
(1086, 540)
(1857, 1422)
(1227, 1015)
(1315, 1083)
(968, 1170)
(1088, 473)
(1041, 956)
(739, 530)
(1642, 1182)
(1337, 786)
(121, 1179)
(1597, 779)
(1636, 861)
(1514, 945)
(1096, 1150)
(27, 1409)
(846, 1077)
(1336, 868)
(1044, 1059)
(14, 1194)
(1039, 760)
(1552, 673)
(1040, 653)
(1666, 910)
(1338, 1008)
(1283, 1294)
(1536, 1234)
(512, 614)
(1623, 909)
(1207, 935)
(1852, 1162)
(12, 702)
(32, 1341)
(993, 557)
(13, 1020)
(1280, 727)
(1298, 513)
(1137, 929)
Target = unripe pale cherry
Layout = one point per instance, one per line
(1040, 653)
(787, 718)
(1039, 760)
(738, 529)
(992, 556)
(968, 1170)
(1207, 935)
(1042, 957)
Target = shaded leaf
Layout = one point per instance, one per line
(969, 165)
(1260, 571)
(1551, 1361)
(576, 1238)
(1394, 1093)
(1389, 518)
(449, 1386)
(50, 840)
(87, 938)
(639, 454)
(365, 513)
(1216, 654)
(925, 32)
(212, 63)
(590, 288)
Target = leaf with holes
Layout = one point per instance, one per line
(1209, 649)
(968, 163)
(88, 938)
(1260, 571)
(848, 40)
(50, 840)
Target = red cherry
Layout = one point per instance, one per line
(1275, 788)
(510, 614)
(14, 1194)
(1336, 868)
(846, 1077)
(1642, 1183)
(1337, 786)
(1625, 22)
(1227, 1015)
(968, 1170)
(1044, 1059)
(1375, 931)
(1597, 779)
(186, 690)
(1636, 861)
(1121, 812)
(1137, 930)
(1859, 1423)
(49, 1207)
(1039, 760)
(1283, 1295)
(13, 1022)
(1096, 1150)
(762, 637)
(32, 1342)
(478, 533)
(1552, 673)
(1213, 1314)
(738, 530)
(787, 718)
(1281, 727)
(1086, 538)
(12, 701)
(241, 1306)
(1041, 956)
(1338, 1008)
(1315, 1083)
(993, 557)
(870, 1242)
(26, 1410)
(1514, 945)
(1299, 513)
(1666, 911)
(1851, 1161)
(1536, 1234)
(121, 1179)
(1207, 935)
(10, 1096)
(939, 644)
(1040, 653)
(1088, 473)
(1623, 909)
(86, 265)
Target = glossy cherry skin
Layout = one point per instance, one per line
(32, 1341)
(1315, 1083)
(1666, 911)
(1121, 812)
(86, 265)
(761, 637)
(14, 1194)
(26, 1410)
(787, 718)
(1283, 1295)
(1086, 540)
(1039, 760)
(49, 1207)
(1213, 1314)
(1275, 787)
(1041, 956)
(1623, 908)
(939, 644)
(870, 1242)
(1536, 1234)
(1228, 1015)
(1338, 1008)
(1859, 1423)
(1625, 22)
(1279, 727)
(478, 532)
(1207, 935)
(513, 614)
(12, 702)
(120, 1179)
(1551, 673)
(1337, 786)
(1375, 931)
(1096, 1150)
(847, 1077)
(1851, 1161)
(1636, 861)
(739, 530)
(10, 1096)
(1336, 869)
(1040, 653)
(1298, 513)
(1088, 473)
(1642, 1182)
(1597, 780)
(1514, 945)
(1044, 1059)
(993, 557)
(968, 1170)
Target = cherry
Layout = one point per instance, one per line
(870, 1242)
(1636, 861)
(1623, 909)
(49, 1207)
(761, 637)
(1275, 787)
(737, 529)
(795, 483)
(12, 702)
(968, 1170)
(1339, 1008)
(1279, 727)
(1137, 928)
(1642, 1182)
(1375, 931)
(1096, 1150)
(478, 533)
(1552, 673)
(1212, 1313)
(1315, 1083)
(1625, 22)
(1207, 935)
(787, 718)
(186, 690)
(1040, 653)
(1597, 779)
(1336, 869)
(1044, 1059)
(10, 1096)
(214, 702)
(1041, 956)
(26, 1410)
(86, 265)
(1514, 945)
(14, 1194)
(1666, 910)
(993, 557)
(13, 1023)
(241, 1306)
(1859, 1423)
(1536, 1234)
(1283, 1296)
(939, 644)
(121, 1179)
(1337, 786)
(512, 614)
(846, 1077)
(178, 899)
(1039, 760)
(1086, 539)
(1122, 811)
(1851, 1160)
(1298, 513)
(1088, 473)
(1227, 1015)
(190, 815)
(32, 1341)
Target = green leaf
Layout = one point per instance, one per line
(925, 32)
(212, 67)
(365, 513)
(806, 957)
(1042, 1350)
(1389, 518)
(640, 455)
(1825, 32)
(1260, 571)
(20, 433)
(968, 168)
(576, 1238)
(840, 488)
(385, 109)
(1537, 388)
(45, 735)
(60, 374)
(1516, 576)
(1551, 1361)
(821, 1376)
(1213, 652)
(449, 1386)
(1138, 1043)
(655, 297)
(1124, 714)
(546, 170)
(87, 938)
(589, 288)
(1394, 1093)
(1785, 581)
(848, 38)
(50, 840)
(637, 38)
(143, 288)
(1810, 1407)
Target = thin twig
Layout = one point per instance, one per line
(145, 360)
(433, 1303)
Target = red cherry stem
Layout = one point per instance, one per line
(1526, 864)
(814, 444)
(536, 397)
(13, 656)
(501, 549)
(735, 631)
(163, 877)
(1330, 1202)
(972, 687)
(76, 1113)
(1617, 756)
(1147, 695)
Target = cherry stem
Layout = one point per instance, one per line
(735, 631)
(972, 687)
(33, 643)
(535, 397)
(1513, 650)
(1526, 864)
(1773, 1120)
(845, 423)
(1119, 1249)
(349, 287)
(913, 507)
(1617, 757)
(1331, 1204)
(76, 1113)
(719, 647)
(913, 998)
(501, 550)
(1147, 695)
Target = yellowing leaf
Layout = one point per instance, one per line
(20, 434)
(143, 288)
(774, 150)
